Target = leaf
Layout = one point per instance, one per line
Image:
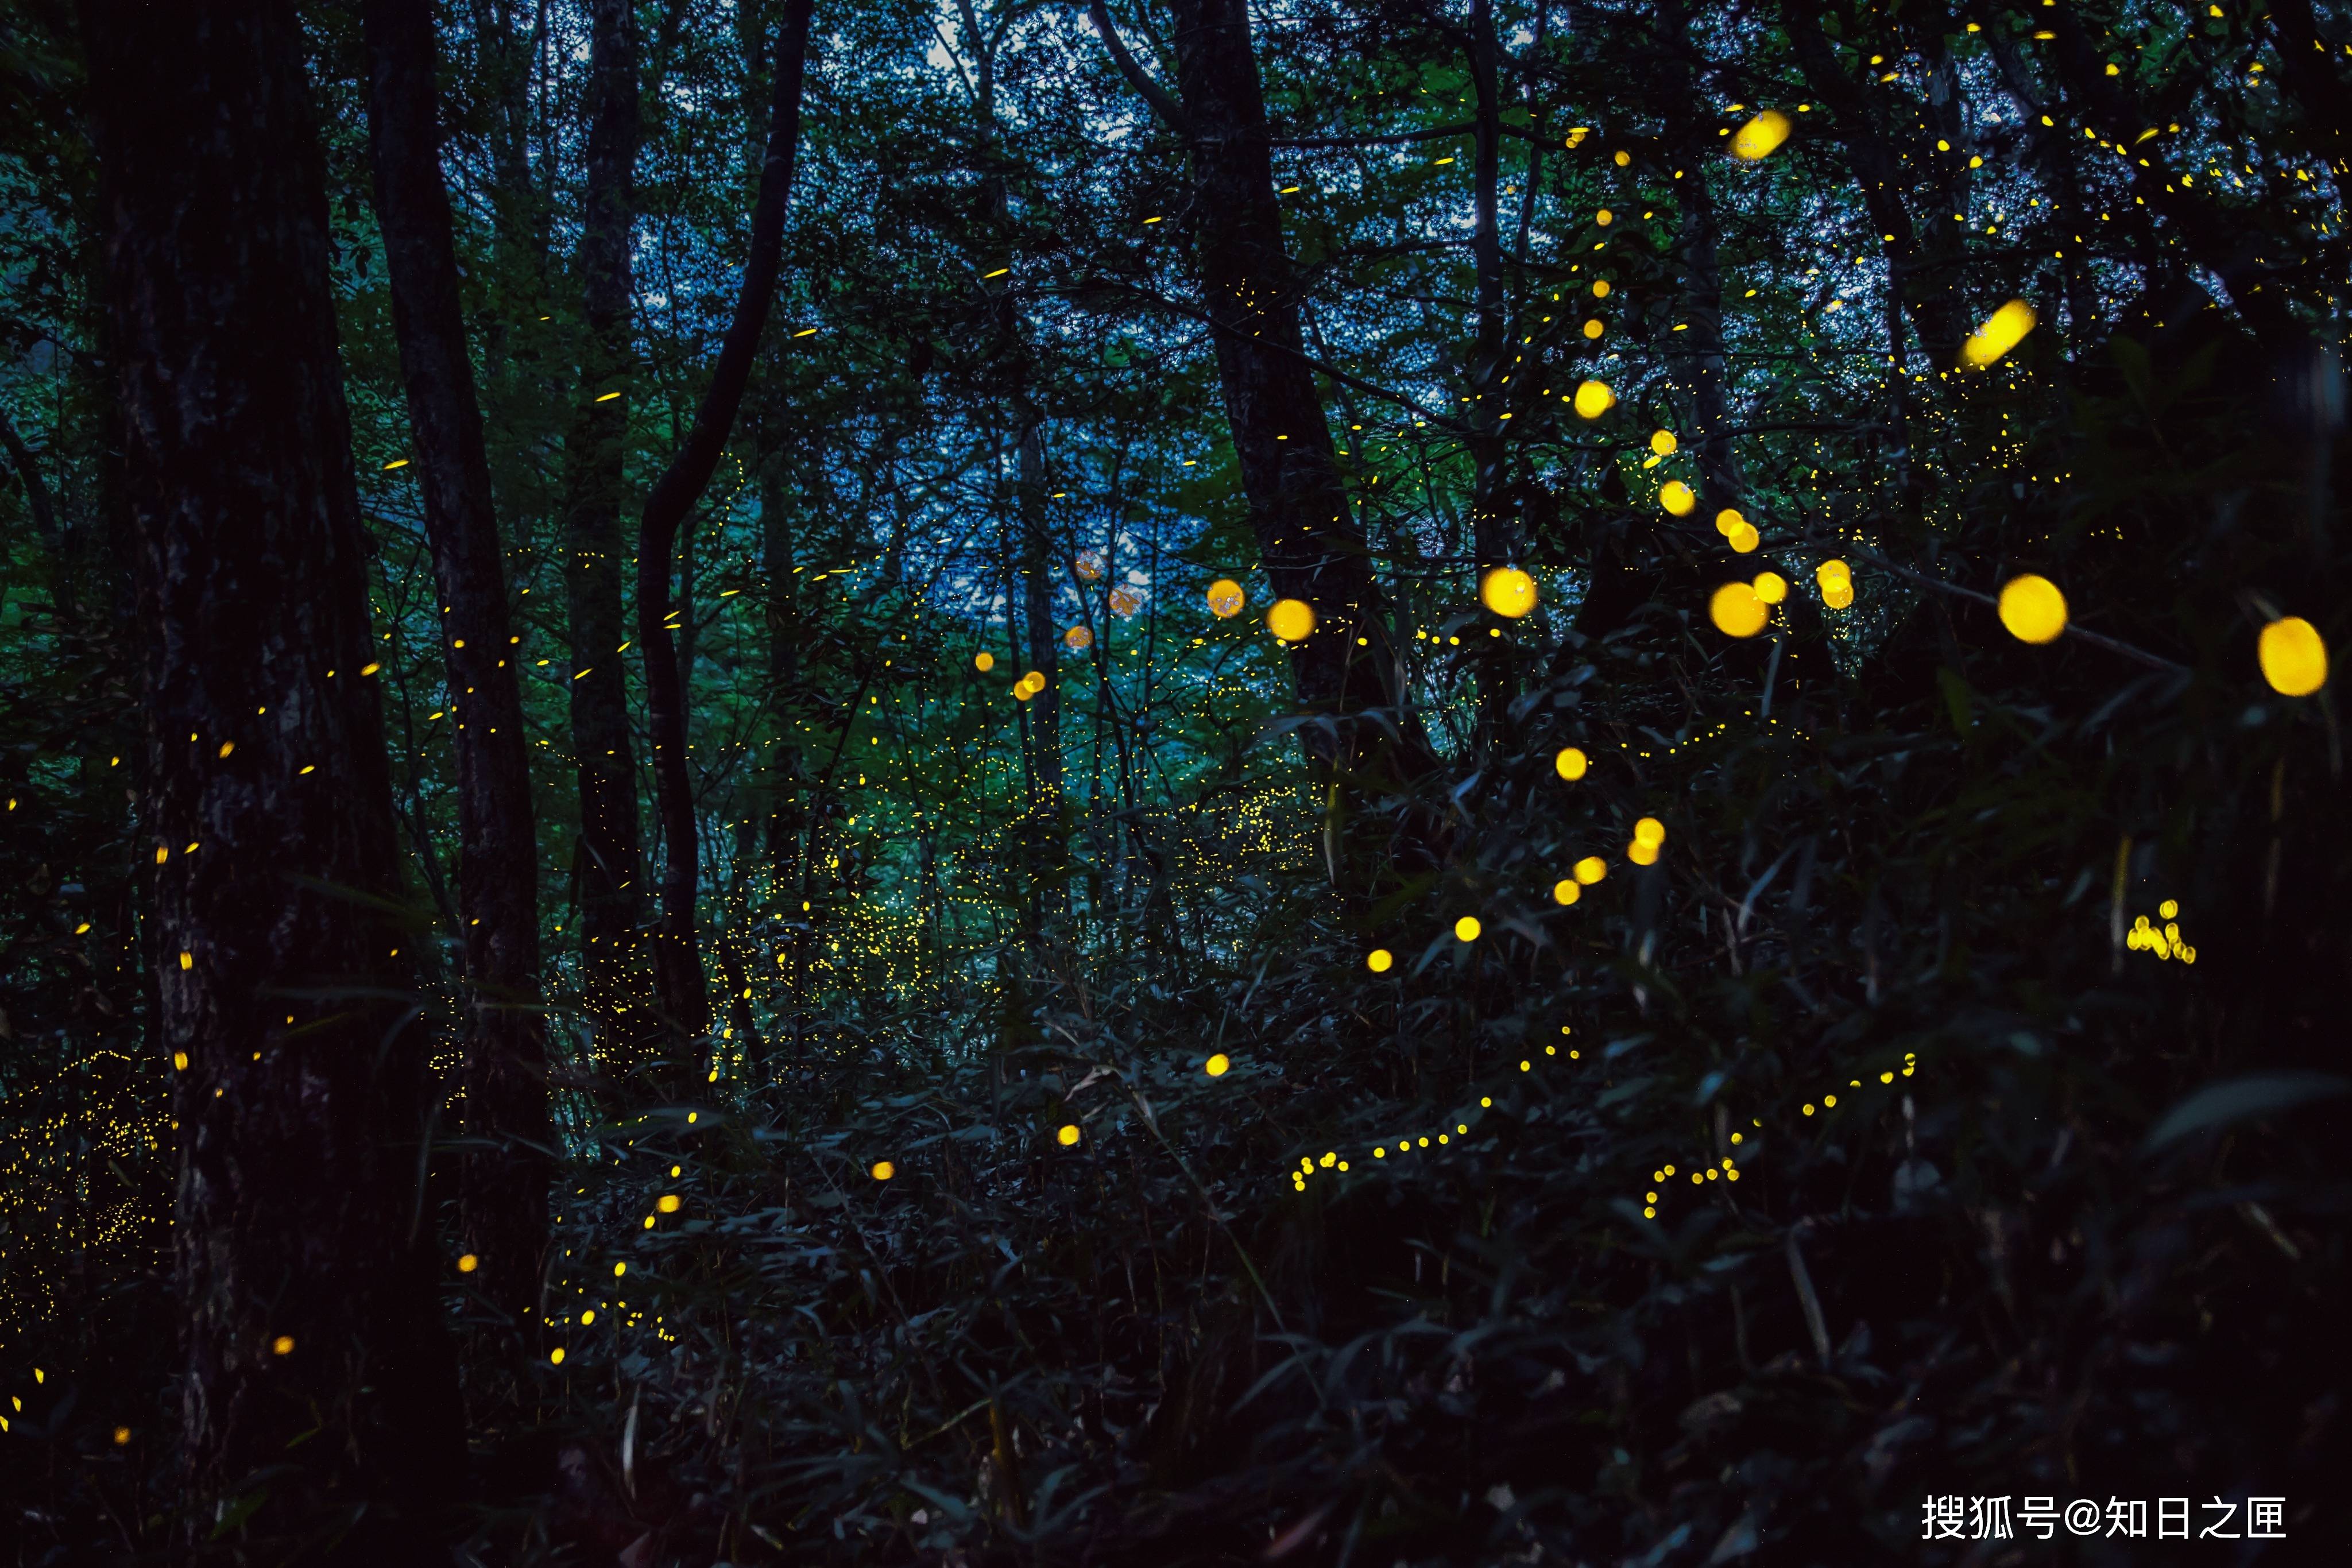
(1622, 1093)
(1957, 701)
(2238, 1099)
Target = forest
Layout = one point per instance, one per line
(1068, 782)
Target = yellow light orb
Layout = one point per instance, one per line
(1662, 442)
(1770, 587)
(1216, 1065)
(883, 1170)
(1507, 591)
(1123, 603)
(1566, 891)
(1593, 399)
(1570, 764)
(1601, 288)
(1640, 854)
(282, 1345)
(1068, 1135)
(2005, 329)
(984, 662)
(1836, 582)
(1605, 217)
(668, 1203)
(555, 1356)
(1589, 870)
(1728, 520)
(1760, 136)
(1290, 619)
(1744, 539)
(2032, 609)
(1593, 328)
(1035, 680)
(1676, 498)
(1078, 637)
(1226, 599)
(468, 1263)
(1467, 929)
(2294, 659)
(1379, 960)
(1649, 830)
(1736, 612)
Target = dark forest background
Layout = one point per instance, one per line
(658, 913)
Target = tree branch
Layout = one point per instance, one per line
(1164, 105)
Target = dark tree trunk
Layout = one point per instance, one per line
(2313, 74)
(783, 637)
(677, 963)
(44, 519)
(1041, 849)
(1697, 353)
(1048, 895)
(314, 1350)
(607, 858)
(505, 1188)
(1494, 532)
(1313, 548)
(1490, 535)
(1922, 273)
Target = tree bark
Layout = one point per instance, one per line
(504, 1187)
(303, 1097)
(678, 982)
(608, 857)
(1313, 548)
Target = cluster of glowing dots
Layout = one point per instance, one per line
(1724, 1169)
(1445, 1135)
(2164, 941)
(1743, 608)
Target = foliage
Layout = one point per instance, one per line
(2010, 1203)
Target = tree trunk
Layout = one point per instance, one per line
(1314, 549)
(302, 1098)
(1924, 275)
(504, 1188)
(677, 963)
(1696, 354)
(607, 860)
(1494, 534)
(1048, 895)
